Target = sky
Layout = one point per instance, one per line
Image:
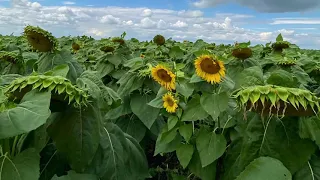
(218, 21)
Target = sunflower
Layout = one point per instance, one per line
(209, 68)
(40, 39)
(75, 46)
(159, 40)
(164, 77)
(170, 103)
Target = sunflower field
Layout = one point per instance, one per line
(76, 108)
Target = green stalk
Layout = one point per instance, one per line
(14, 146)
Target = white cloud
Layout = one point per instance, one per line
(301, 34)
(265, 36)
(286, 32)
(161, 24)
(180, 24)
(313, 21)
(190, 14)
(147, 23)
(147, 13)
(129, 23)
(68, 3)
(143, 23)
(109, 19)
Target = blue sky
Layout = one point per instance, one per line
(220, 21)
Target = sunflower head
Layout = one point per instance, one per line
(170, 103)
(280, 45)
(142, 55)
(39, 39)
(164, 77)
(159, 40)
(287, 62)
(209, 68)
(9, 57)
(75, 46)
(242, 53)
(107, 49)
(118, 40)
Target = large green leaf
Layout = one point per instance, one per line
(119, 156)
(265, 168)
(194, 111)
(132, 126)
(31, 113)
(48, 61)
(205, 173)
(91, 81)
(184, 153)
(280, 141)
(301, 75)
(310, 128)
(210, 146)
(104, 68)
(176, 52)
(139, 106)
(76, 134)
(119, 111)
(214, 104)
(167, 147)
(25, 166)
(281, 78)
(72, 175)
(310, 171)
(185, 88)
(251, 76)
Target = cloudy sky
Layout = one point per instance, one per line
(220, 21)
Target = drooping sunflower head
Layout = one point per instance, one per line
(9, 57)
(39, 39)
(107, 48)
(287, 62)
(170, 103)
(242, 53)
(209, 68)
(164, 77)
(75, 46)
(159, 40)
(118, 40)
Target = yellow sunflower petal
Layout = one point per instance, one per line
(170, 103)
(164, 77)
(209, 68)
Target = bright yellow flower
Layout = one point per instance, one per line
(170, 103)
(164, 77)
(209, 68)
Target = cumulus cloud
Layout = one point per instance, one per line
(147, 13)
(141, 23)
(286, 32)
(180, 24)
(265, 36)
(109, 19)
(147, 23)
(272, 6)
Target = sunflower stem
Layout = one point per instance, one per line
(219, 123)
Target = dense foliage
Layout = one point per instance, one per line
(119, 109)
